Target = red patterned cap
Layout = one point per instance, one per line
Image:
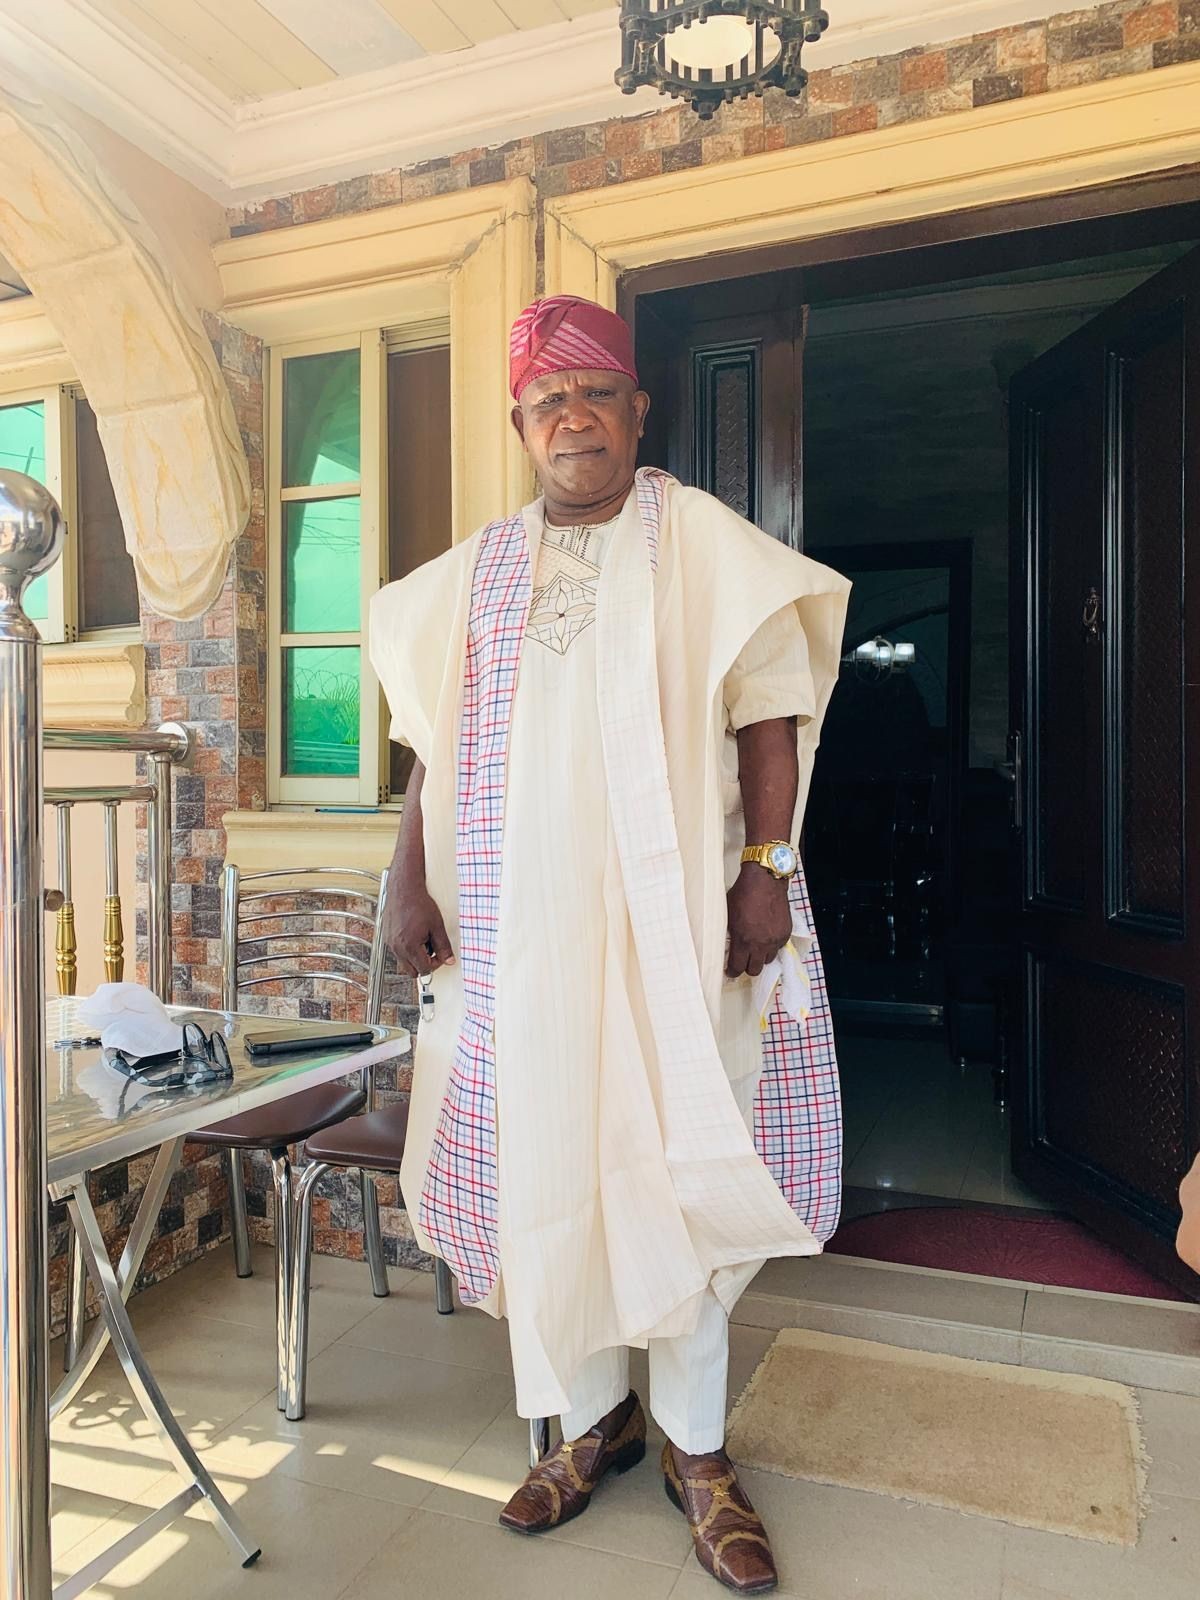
(564, 334)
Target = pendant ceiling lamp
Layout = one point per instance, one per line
(709, 51)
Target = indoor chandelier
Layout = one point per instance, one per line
(710, 51)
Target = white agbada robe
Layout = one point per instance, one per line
(625, 1191)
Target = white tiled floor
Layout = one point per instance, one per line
(391, 1486)
(918, 1123)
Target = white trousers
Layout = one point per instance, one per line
(689, 1376)
(688, 1381)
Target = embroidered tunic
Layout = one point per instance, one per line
(581, 1212)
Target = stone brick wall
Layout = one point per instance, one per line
(212, 673)
(1068, 49)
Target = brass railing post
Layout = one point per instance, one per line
(31, 535)
(65, 960)
(158, 871)
(114, 933)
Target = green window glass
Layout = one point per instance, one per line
(23, 439)
(37, 599)
(23, 449)
(321, 434)
(321, 566)
(321, 710)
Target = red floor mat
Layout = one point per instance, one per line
(1035, 1249)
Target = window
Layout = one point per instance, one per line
(360, 492)
(23, 449)
(91, 590)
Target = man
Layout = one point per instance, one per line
(614, 699)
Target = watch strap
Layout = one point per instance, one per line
(760, 855)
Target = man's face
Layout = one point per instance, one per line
(581, 430)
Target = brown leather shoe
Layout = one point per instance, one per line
(561, 1486)
(731, 1542)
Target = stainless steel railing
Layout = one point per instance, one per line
(164, 747)
(31, 535)
(64, 800)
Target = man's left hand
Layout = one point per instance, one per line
(760, 921)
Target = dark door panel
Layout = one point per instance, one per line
(1147, 384)
(1061, 513)
(1106, 543)
(727, 408)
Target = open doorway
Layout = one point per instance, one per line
(859, 409)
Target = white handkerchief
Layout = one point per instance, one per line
(128, 1017)
(788, 974)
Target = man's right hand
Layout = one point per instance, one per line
(416, 934)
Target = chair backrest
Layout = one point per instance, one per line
(275, 924)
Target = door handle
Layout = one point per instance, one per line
(1012, 770)
(1091, 614)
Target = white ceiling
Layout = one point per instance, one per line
(251, 98)
(249, 50)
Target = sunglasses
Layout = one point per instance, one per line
(204, 1059)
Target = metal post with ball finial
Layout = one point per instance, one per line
(31, 536)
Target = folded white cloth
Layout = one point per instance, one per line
(789, 975)
(128, 1017)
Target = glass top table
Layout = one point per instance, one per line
(96, 1116)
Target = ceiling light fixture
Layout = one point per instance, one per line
(708, 52)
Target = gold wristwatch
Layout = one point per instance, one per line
(777, 856)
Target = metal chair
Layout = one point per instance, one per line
(251, 958)
(372, 1145)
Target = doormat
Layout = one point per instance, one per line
(1033, 1249)
(1039, 1449)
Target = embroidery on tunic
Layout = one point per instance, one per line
(564, 599)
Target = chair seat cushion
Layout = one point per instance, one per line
(374, 1142)
(287, 1121)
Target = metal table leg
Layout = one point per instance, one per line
(443, 1287)
(165, 1166)
(198, 1484)
(539, 1439)
(285, 1217)
(76, 1304)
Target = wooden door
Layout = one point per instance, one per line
(1106, 706)
(725, 392)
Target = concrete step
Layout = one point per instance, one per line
(1150, 1344)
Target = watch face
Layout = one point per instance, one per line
(783, 859)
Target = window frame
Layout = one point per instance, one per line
(62, 625)
(369, 789)
(58, 446)
(76, 633)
